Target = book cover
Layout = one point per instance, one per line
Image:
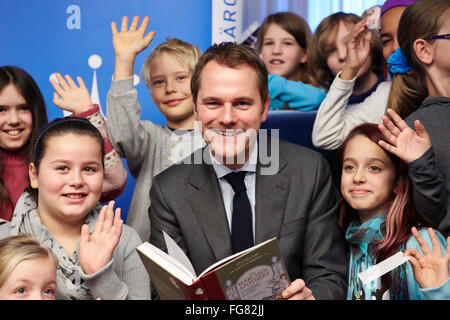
(258, 273)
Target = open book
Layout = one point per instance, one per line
(258, 273)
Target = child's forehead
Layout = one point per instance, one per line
(30, 264)
(69, 135)
(342, 28)
(67, 141)
(364, 146)
(11, 92)
(274, 29)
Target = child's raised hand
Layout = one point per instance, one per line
(129, 42)
(431, 268)
(96, 252)
(358, 50)
(69, 96)
(404, 142)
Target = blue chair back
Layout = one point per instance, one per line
(296, 127)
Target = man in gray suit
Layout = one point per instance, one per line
(291, 197)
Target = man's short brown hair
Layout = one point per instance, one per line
(232, 55)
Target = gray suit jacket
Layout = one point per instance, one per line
(298, 205)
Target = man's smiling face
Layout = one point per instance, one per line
(231, 110)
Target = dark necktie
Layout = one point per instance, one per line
(241, 221)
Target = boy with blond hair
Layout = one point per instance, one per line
(150, 148)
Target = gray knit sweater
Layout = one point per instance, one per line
(148, 148)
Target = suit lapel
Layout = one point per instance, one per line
(271, 198)
(205, 199)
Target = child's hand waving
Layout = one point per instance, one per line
(431, 268)
(358, 50)
(404, 142)
(69, 96)
(96, 252)
(128, 43)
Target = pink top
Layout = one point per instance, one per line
(15, 178)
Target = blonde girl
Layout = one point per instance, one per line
(27, 270)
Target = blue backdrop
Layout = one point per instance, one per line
(48, 36)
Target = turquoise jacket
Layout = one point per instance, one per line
(298, 95)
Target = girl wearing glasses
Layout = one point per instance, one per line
(423, 35)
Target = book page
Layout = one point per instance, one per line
(167, 262)
(177, 253)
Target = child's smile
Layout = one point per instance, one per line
(69, 177)
(368, 177)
